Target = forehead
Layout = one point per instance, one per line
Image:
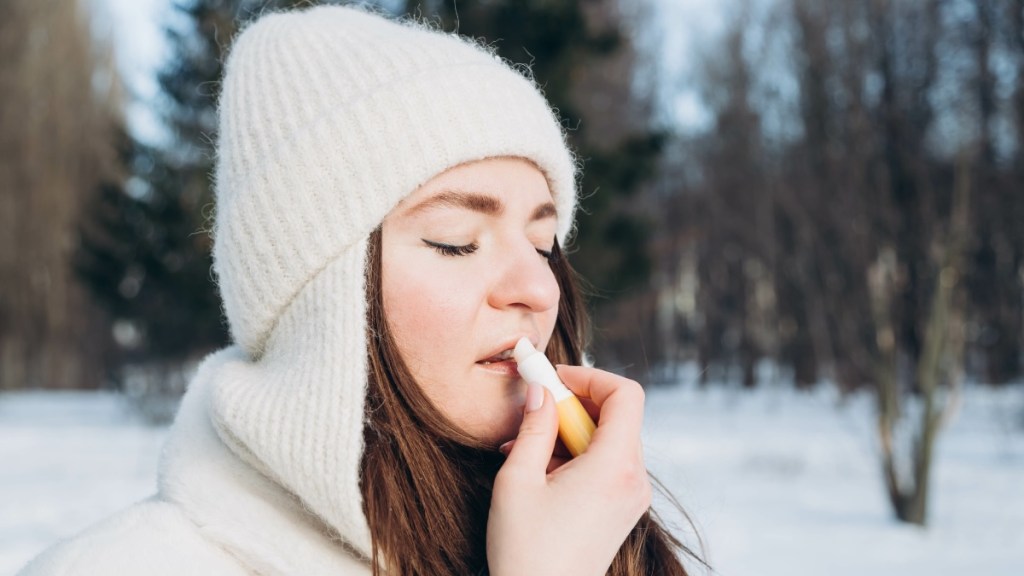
(508, 182)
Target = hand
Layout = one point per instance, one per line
(573, 519)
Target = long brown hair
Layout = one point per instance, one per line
(426, 485)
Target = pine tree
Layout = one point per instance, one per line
(145, 250)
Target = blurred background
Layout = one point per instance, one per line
(802, 230)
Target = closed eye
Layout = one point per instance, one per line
(451, 250)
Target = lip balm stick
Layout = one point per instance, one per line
(574, 424)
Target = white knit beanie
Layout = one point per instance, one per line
(328, 118)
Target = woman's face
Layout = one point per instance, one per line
(464, 275)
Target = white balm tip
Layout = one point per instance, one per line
(524, 349)
(535, 368)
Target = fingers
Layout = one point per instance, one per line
(621, 401)
(531, 451)
(560, 456)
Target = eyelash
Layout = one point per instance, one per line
(449, 250)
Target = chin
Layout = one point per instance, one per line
(498, 435)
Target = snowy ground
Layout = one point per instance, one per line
(779, 483)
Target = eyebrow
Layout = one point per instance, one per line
(476, 202)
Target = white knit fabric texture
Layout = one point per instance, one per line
(328, 118)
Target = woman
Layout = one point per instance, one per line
(391, 203)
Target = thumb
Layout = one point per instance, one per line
(536, 440)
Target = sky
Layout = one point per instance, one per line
(136, 27)
(685, 26)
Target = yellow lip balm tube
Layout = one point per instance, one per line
(575, 427)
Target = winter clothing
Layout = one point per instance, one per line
(213, 513)
(328, 118)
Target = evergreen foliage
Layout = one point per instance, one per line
(146, 258)
(145, 249)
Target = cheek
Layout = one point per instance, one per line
(547, 323)
(427, 314)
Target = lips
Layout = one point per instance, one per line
(503, 349)
(499, 357)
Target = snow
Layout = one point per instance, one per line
(69, 459)
(783, 482)
(779, 482)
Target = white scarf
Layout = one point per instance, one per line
(267, 528)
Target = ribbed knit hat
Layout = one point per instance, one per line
(328, 118)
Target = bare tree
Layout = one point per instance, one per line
(874, 238)
(997, 251)
(58, 108)
(731, 256)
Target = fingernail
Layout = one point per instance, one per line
(534, 397)
(506, 447)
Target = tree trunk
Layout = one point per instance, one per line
(938, 367)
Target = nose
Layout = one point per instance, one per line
(524, 280)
